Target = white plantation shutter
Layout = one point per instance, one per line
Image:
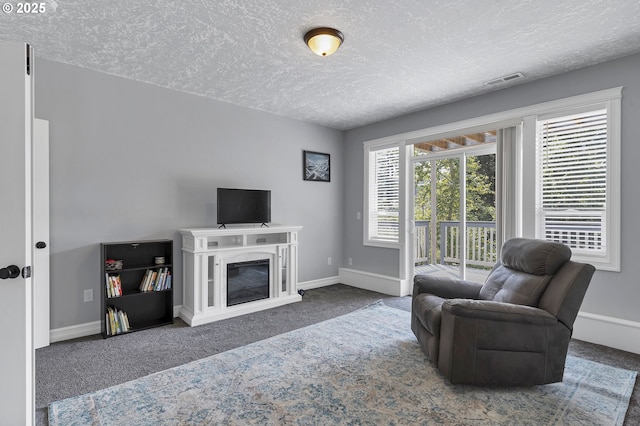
(384, 195)
(572, 181)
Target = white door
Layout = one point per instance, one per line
(40, 273)
(16, 296)
(454, 206)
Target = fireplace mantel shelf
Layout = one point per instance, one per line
(206, 252)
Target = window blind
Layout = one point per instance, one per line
(384, 194)
(572, 180)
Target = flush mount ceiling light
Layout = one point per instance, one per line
(323, 41)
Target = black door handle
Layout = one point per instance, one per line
(11, 271)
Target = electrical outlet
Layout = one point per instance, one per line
(328, 261)
(358, 216)
(350, 261)
(88, 295)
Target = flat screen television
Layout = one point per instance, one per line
(243, 206)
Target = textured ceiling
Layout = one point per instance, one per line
(398, 56)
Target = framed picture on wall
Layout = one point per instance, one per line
(316, 166)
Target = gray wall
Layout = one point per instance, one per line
(132, 161)
(610, 294)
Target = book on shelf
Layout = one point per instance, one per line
(156, 280)
(114, 285)
(167, 284)
(117, 321)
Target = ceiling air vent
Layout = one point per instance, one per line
(504, 79)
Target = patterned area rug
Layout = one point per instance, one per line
(361, 368)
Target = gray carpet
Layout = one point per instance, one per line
(79, 366)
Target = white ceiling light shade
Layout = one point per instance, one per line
(323, 41)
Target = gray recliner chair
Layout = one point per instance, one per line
(512, 330)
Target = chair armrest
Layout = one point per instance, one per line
(445, 287)
(488, 342)
(498, 311)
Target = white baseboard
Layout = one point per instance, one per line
(75, 331)
(322, 282)
(608, 331)
(86, 329)
(374, 282)
(176, 310)
(599, 329)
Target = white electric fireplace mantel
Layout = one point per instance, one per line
(206, 254)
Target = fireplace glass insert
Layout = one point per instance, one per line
(247, 281)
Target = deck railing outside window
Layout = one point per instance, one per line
(482, 240)
(582, 231)
(481, 243)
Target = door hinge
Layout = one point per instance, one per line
(28, 60)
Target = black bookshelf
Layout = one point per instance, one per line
(127, 305)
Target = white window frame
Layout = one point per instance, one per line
(369, 236)
(526, 117)
(609, 258)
